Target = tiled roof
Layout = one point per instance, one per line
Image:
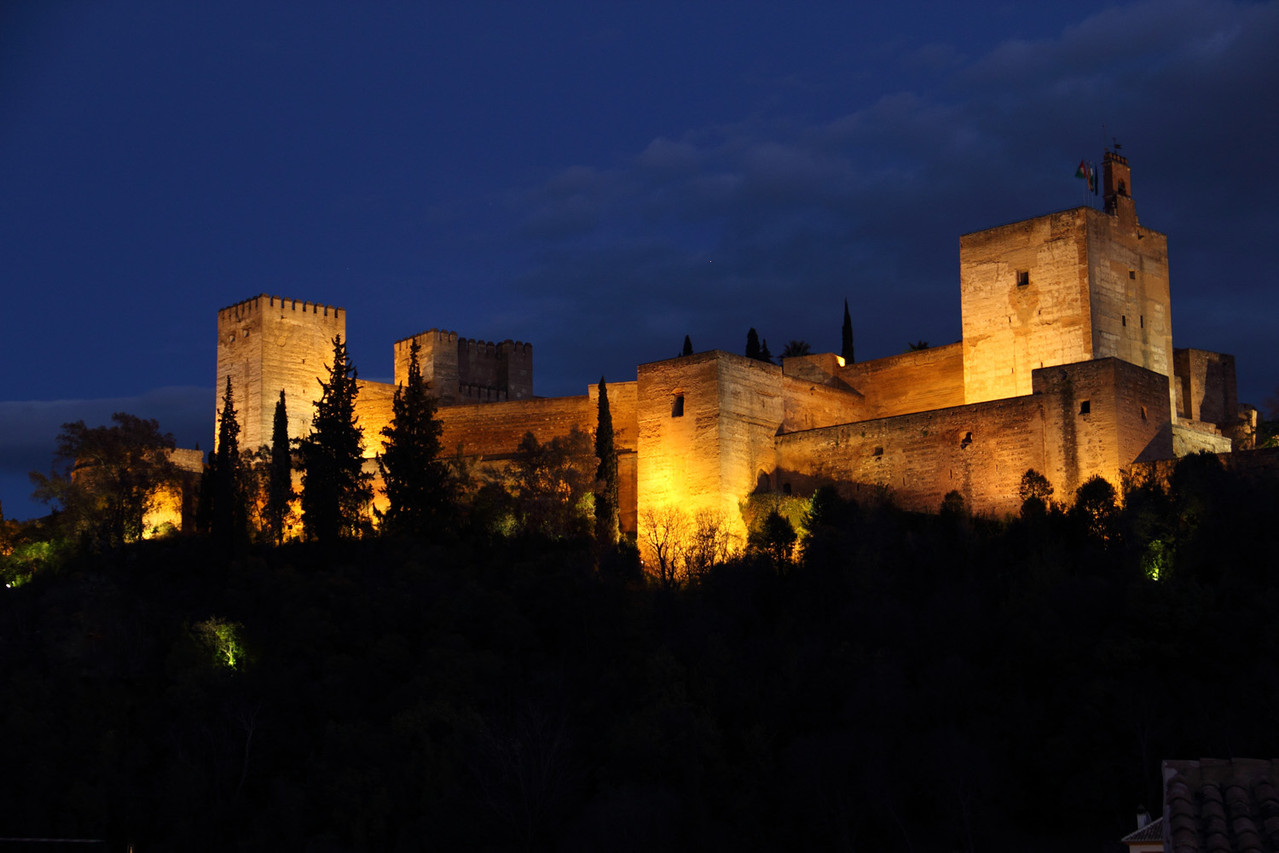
(1153, 831)
(1222, 806)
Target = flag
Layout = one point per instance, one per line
(1082, 171)
(1092, 177)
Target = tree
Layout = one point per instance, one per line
(552, 483)
(663, 531)
(794, 348)
(775, 538)
(764, 354)
(228, 517)
(335, 488)
(1035, 490)
(846, 337)
(688, 346)
(279, 493)
(109, 477)
(606, 492)
(752, 344)
(917, 346)
(418, 488)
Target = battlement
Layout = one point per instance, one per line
(254, 304)
(468, 370)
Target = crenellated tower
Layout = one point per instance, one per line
(267, 344)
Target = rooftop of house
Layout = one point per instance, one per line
(1222, 805)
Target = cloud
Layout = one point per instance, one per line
(771, 221)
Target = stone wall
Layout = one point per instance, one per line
(706, 427)
(1024, 302)
(911, 382)
(1205, 386)
(267, 344)
(465, 370)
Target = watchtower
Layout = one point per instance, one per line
(267, 345)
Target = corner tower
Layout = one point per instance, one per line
(267, 345)
(1072, 286)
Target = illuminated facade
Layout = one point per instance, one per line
(1066, 366)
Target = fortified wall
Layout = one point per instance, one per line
(1066, 366)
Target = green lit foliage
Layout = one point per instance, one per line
(419, 490)
(795, 509)
(607, 521)
(552, 484)
(223, 641)
(1157, 559)
(105, 479)
(335, 488)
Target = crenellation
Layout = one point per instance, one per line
(1065, 365)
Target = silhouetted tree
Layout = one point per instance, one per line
(418, 489)
(1034, 491)
(552, 483)
(764, 354)
(280, 480)
(794, 348)
(846, 337)
(606, 491)
(1096, 509)
(688, 346)
(108, 477)
(335, 488)
(774, 538)
(917, 346)
(752, 344)
(228, 518)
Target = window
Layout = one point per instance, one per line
(1143, 321)
(1085, 407)
(1023, 278)
(1132, 274)
(879, 451)
(1124, 318)
(677, 406)
(1143, 413)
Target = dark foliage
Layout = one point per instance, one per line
(335, 487)
(419, 490)
(106, 478)
(688, 346)
(910, 684)
(846, 337)
(228, 516)
(606, 481)
(280, 474)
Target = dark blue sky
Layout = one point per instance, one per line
(599, 179)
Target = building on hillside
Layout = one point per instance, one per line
(1066, 366)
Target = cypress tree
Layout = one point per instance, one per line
(764, 354)
(228, 519)
(335, 489)
(688, 346)
(280, 478)
(752, 344)
(606, 498)
(417, 481)
(846, 346)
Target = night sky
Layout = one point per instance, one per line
(598, 179)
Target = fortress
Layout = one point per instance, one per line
(1066, 366)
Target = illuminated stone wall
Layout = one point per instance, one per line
(982, 450)
(267, 344)
(1064, 288)
(706, 428)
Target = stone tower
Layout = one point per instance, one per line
(1067, 287)
(267, 344)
